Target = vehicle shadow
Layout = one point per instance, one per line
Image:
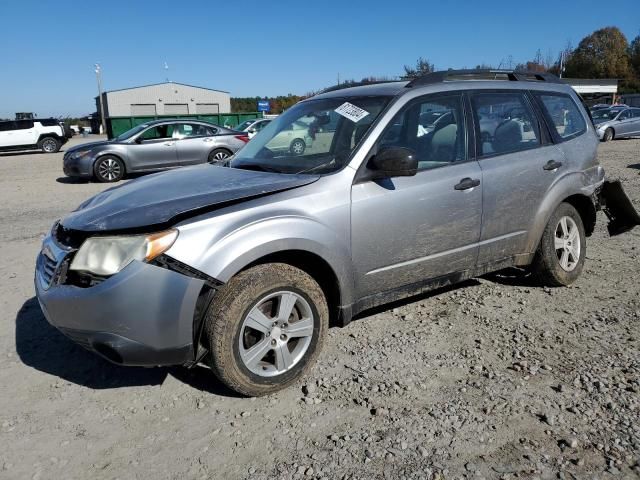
(41, 346)
(513, 277)
(17, 154)
(81, 181)
(72, 180)
(634, 165)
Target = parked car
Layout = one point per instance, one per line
(617, 122)
(246, 266)
(46, 134)
(153, 146)
(251, 127)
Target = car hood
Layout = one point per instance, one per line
(88, 145)
(603, 123)
(162, 199)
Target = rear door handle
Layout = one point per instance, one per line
(467, 183)
(169, 144)
(552, 165)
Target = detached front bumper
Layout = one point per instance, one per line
(143, 315)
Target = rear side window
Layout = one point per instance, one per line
(6, 126)
(505, 123)
(563, 115)
(48, 122)
(23, 124)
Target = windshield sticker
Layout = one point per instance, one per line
(350, 111)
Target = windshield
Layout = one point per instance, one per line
(130, 133)
(245, 124)
(606, 114)
(315, 136)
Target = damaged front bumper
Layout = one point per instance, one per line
(616, 205)
(145, 315)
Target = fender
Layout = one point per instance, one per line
(227, 253)
(584, 183)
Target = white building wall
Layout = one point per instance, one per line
(120, 101)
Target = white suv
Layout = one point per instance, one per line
(46, 134)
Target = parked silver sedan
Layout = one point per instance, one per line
(153, 146)
(617, 122)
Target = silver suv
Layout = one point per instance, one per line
(246, 267)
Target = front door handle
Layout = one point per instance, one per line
(467, 183)
(169, 144)
(552, 165)
(208, 140)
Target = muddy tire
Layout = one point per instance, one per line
(265, 328)
(560, 256)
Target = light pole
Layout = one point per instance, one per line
(98, 71)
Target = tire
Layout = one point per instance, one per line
(230, 334)
(608, 135)
(297, 147)
(558, 262)
(219, 155)
(108, 169)
(49, 145)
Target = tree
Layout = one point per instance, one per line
(422, 68)
(634, 55)
(603, 54)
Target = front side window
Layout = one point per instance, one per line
(159, 132)
(314, 136)
(24, 124)
(432, 127)
(504, 123)
(624, 115)
(562, 114)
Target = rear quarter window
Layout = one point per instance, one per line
(563, 115)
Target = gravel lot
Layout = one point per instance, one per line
(496, 378)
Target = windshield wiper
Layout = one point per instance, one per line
(257, 167)
(325, 164)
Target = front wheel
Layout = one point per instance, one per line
(108, 169)
(608, 135)
(265, 328)
(562, 250)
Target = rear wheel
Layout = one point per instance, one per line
(297, 147)
(562, 250)
(265, 328)
(219, 155)
(608, 135)
(49, 145)
(108, 169)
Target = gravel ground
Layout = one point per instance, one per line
(495, 378)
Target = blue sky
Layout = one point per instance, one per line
(268, 48)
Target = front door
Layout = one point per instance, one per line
(155, 148)
(624, 124)
(408, 230)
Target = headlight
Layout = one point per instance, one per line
(108, 255)
(81, 153)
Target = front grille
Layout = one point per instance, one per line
(47, 268)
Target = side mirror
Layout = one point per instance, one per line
(252, 130)
(139, 140)
(394, 162)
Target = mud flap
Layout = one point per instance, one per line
(618, 208)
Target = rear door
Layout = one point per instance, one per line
(153, 149)
(194, 142)
(517, 163)
(624, 125)
(408, 230)
(6, 133)
(25, 133)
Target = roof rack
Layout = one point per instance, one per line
(343, 85)
(509, 75)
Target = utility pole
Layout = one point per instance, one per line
(98, 71)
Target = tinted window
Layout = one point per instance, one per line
(636, 112)
(158, 132)
(185, 130)
(504, 123)
(433, 127)
(23, 124)
(563, 115)
(6, 126)
(624, 115)
(48, 122)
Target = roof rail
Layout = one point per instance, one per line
(489, 74)
(341, 86)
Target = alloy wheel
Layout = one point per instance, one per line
(567, 243)
(276, 334)
(109, 169)
(49, 146)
